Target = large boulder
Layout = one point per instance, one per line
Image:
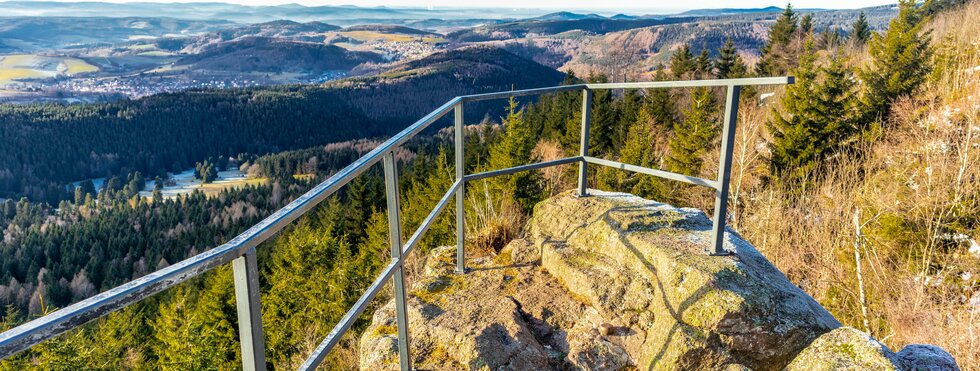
(643, 265)
(610, 282)
(499, 316)
(846, 348)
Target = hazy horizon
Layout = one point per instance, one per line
(613, 7)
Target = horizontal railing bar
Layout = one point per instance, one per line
(38, 330)
(631, 85)
(321, 351)
(345, 323)
(654, 172)
(521, 93)
(694, 83)
(41, 329)
(517, 169)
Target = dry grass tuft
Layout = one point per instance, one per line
(917, 196)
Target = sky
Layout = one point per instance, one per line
(605, 5)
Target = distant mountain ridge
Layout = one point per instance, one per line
(711, 12)
(521, 29)
(387, 28)
(565, 16)
(343, 14)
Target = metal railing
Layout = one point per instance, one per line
(240, 251)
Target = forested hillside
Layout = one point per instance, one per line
(315, 270)
(48, 146)
(412, 89)
(859, 182)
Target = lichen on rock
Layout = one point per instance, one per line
(847, 348)
(633, 267)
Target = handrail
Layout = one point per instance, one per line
(241, 249)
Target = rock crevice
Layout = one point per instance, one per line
(611, 282)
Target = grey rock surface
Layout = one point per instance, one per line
(638, 270)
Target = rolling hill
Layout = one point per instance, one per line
(431, 81)
(728, 11)
(522, 29)
(26, 34)
(263, 54)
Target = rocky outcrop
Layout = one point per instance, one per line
(846, 348)
(611, 282)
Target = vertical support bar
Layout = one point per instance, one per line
(583, 167)
(461, 193)
(246, 272)
(395, 239)
(725, 170)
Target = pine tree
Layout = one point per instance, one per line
(9, 208)
(120, 340)
(778, 52)
(682, 61)
(514, 149)
(603, 126)
(137, 182)
(703, 64)
(830, 39)
(695, 134)
(660, 104)
(900, 61)
(730, 64)
(86, 187)
(627, 107)
(312, 281)
(820, 113)
(79, 196)
(793, 137)
(639, 150)
(217, 318)
(113, 184)
(785, 28)
(806, 24)
(552, 111)
(364, 194)
(158, 190)
(423, 194)
(860, 30)
(177, 332)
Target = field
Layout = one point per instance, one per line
(27, 66)
(390, 37)
(76, 66)
(186, 183)
(212, 189)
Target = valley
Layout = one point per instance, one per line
(131, 143)
(137, 56)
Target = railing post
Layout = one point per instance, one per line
(725, 170)
(583, 167)
(461, 193)
(395, 239)
(246, 273)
